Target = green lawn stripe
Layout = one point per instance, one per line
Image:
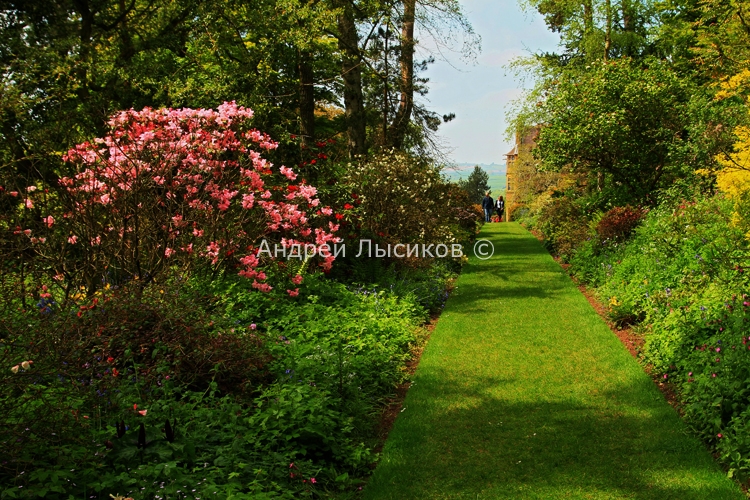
(523, 392)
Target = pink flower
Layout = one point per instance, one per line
(142, 412)
(213, 251)
(718, 349)
(288, 173)
(29, 203)
(96, 241)
(49, 220)
(193, 160)
(313, 480)
(665, 376)
(719, 435)
(263, 287)
(13, 193)
(73, 239)
(248, 200)
(293, 293)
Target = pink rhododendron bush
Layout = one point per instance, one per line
(186, 187)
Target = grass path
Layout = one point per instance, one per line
(523, 392)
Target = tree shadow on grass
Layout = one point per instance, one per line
(467, 435)
(469, 441)
(520, 269)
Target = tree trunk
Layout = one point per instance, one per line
(588, 17)
(87, 25)
(351, 71)
(397, 130)
(608, 29)
(306, 97)
(628, 24)
(127, 50)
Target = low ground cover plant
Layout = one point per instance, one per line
(207, 386)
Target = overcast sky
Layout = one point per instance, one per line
(480, 94)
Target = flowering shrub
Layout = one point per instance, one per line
(168, 186)
(405, 200)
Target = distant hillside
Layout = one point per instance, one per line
(496, 171)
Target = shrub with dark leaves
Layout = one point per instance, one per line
(618, 223)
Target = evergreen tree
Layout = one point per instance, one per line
(476, 184)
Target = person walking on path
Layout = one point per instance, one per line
(500, 206)
(488, 205)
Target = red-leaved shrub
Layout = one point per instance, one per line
(618, 223)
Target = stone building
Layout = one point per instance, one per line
(523, 145)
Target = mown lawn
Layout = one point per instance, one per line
(523, 392)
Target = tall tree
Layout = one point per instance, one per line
(476, 184)
(351, 73)
(620, 123)
(398, 127)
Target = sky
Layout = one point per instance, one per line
(480, 93)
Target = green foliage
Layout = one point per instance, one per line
(563, 223)
(248, 394)
(594, 30)
(620, 123)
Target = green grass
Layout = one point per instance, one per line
(523, 392)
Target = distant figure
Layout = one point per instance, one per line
(488, 205)
(500, 206)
